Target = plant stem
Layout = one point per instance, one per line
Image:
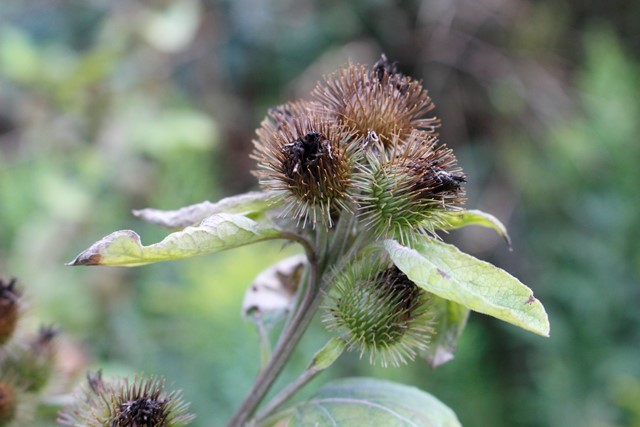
(287, 392)
(323, 359)
(302, 313)
(287, 342)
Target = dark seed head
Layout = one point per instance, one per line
(379, 99)
(447, 182)
(142, 412)
(304, 155)
(385, 67)
(119, 403)
(303, 159)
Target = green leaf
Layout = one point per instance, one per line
(451, 318)
(216, 233)
(459, 219)
(356, 402)
(247, 203)
(443, 270)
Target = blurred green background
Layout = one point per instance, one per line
(108, 106)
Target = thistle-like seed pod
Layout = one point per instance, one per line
(303, 158)
(143, 403)
(410, 190)
(9, 309)
(378, 310)
(32, 363)
(380, 101)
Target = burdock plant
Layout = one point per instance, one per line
(356, 176)
(120, 403)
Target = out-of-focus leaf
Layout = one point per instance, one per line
(160, 132)
(451, 318)
(460, 219)
(254, 201)
(273, 290)
(443, 270)
(172, 29)
(371, 402)
(19, 57)
(216, 233)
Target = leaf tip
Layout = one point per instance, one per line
(441, 356)
(507, 239)
(86, 258)
(99, 252)
(545, 332)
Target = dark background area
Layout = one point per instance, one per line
(108, 106)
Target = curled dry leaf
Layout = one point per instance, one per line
(247, 203)
(273, 290)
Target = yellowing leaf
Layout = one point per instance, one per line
(216, 233)
(443, 270)
(251, 202)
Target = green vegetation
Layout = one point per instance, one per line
(109, 108)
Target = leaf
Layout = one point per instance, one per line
(451, 321)
(216, 233)
(443, 270)
(174, 28)
(254, 201)
(355, 402)
(459, 219)
(273, 291)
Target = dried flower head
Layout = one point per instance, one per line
(303, 158)
(33, 361)
(409, 190)
(9, 309)
(379, 100)
(380, 311)
(143, 403)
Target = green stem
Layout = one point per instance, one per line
(265, 344)
(289, 338)
(321, 361)
(287, 392)
(302, 313)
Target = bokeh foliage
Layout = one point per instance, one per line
(111, 106)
